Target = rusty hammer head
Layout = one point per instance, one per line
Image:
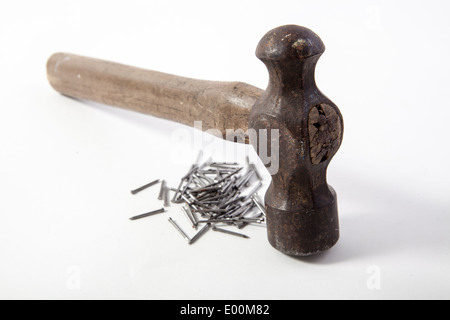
(301, 207)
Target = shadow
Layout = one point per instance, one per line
(380, 221)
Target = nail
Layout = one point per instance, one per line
(188, 201)
(240, 225)
(191, 170)
(254, 190)
(236, 198)
(253, 166)
(210, 210)
(145, 187)
(161, 191)
(177, 191)
(228, 220)
(230, 232)
(225, 178)
(210, 189)
(194, 218)
(224, 220)
(200, 233)
(198, 182)
(251, 220)
(166, 197)
(224, 164)
(258, 204)
(185, 187)
(241, 210)
(218, 175)
(215, 170)
(246, 178)
(179, 230)
(145, 215)
(191, 220)
(194, 168)
(202, 176)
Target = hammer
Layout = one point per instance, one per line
(301, 208)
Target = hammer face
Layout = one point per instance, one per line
(303, 233)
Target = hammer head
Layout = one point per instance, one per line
(301, 207)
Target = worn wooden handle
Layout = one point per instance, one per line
(219, 105)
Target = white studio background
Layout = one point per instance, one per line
(66, 167)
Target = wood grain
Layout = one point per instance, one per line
(219, 105)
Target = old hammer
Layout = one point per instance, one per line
(301, 208)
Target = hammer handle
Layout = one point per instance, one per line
(219, 105)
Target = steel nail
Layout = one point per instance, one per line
(177, 191)
(253, 166)
(200, 233)
(230, 232)
(258, 204)
(179, 230)
(162, 190)
(194, 218)
(191, 220)
(254, 190)
(166, 197)
(145, 215)
(145, 187)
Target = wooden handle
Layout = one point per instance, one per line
(220, 105)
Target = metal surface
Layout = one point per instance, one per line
(200, 233)
(162, 190)
(145, 187)
(237, 234)
(145, 215)
(301, 208)
(183, 234)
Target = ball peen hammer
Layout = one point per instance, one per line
(301, 208)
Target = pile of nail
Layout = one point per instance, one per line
(214, 194)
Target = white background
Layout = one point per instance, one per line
(66, 167)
